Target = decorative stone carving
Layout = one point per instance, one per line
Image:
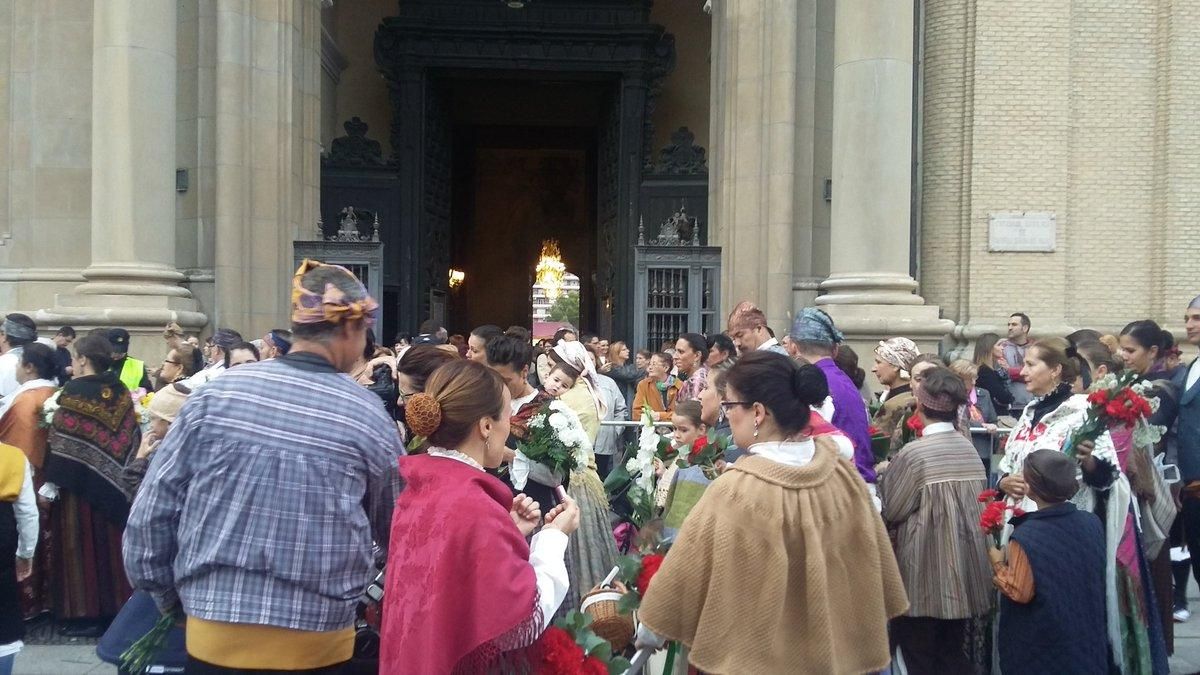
(661, 64)
(355, 149)
(678, 230)
(682, 156)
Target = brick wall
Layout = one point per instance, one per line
(1078, 107)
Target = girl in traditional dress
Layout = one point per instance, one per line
(593, 552)
(1049, 422)
(93, 437)
(465, 592)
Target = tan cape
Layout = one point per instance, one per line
(781, 569)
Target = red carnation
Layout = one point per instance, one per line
(1018, 511)
(988, 496)
(698, 447)
(992, 517)
(650, 565)
(1098, 397)
(915, 425)
(560, 652)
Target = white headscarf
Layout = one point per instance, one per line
(574, 354)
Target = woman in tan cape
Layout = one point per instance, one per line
(784, 565)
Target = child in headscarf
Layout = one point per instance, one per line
(592, 552)
(1052, 611)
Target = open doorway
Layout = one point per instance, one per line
(524, 171)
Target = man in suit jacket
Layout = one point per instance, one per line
(1187, 437)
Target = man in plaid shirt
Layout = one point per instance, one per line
(257, 515)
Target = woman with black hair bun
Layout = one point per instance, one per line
(766, 522)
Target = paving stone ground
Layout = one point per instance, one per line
(78, 657)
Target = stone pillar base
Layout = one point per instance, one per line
(866, 324)
(140, 279)
(144, 316)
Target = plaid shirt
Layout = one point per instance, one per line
(261, 504)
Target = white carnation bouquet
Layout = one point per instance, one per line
(48, 409)
(556, 440)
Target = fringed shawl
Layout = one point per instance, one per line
(461, 595)
(93, 437)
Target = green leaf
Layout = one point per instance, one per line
(628, 603)
(592, 642)
(617, 479)
(629, 567)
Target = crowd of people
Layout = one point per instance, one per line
(253, 490)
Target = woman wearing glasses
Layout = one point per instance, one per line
(779, 527)
(183, 361)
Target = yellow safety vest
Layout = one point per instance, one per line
(132, 373)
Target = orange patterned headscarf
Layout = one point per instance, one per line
(332, 306)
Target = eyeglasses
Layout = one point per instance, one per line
(727, 405)
(405, 395)
(174, 363)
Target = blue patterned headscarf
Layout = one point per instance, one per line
(813, 325)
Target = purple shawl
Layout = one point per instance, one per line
(850, 416)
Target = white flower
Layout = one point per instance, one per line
(537, 420)
(558, 421)
(558, 406)
(633, 465)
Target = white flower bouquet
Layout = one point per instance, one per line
(556, 440)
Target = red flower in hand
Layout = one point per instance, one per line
(988, 496)
(650, 565)
(698, 447)
(560, 653)
(915, 425)
(1098, 397)
(992, 517)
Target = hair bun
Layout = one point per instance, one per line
(423, 414)
(810, 385)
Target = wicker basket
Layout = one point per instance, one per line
(607, 622)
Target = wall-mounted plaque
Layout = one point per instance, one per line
(1022, 231)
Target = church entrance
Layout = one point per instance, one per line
(510, 128)
(524, 171)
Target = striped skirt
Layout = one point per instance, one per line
(88, 574)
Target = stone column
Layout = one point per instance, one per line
(132, 280)
(133, 150)
(869, 291)
(762, 137)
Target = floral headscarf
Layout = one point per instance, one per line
(332, 305)
(575, 355)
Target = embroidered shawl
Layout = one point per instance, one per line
(93, 436)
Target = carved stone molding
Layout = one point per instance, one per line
(355, 149)
(682, 156)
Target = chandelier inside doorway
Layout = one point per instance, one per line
(550, 269)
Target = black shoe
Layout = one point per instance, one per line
(83, 629)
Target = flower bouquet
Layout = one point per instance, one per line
(705, 452)
(48, 409)
(141, 404)
(631, 486)
(995, 515)
(570, 646)
(556, 440)
(1118, 400)
(636, 572)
